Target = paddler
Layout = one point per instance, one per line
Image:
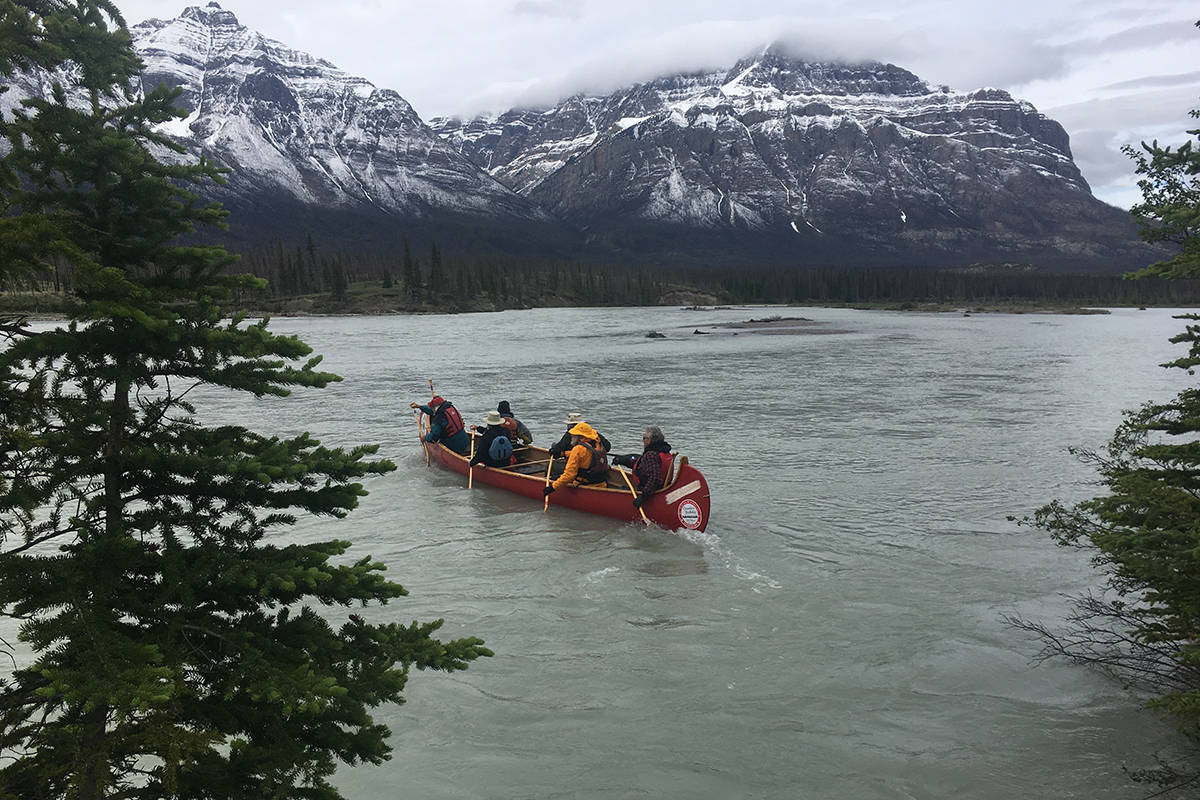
(586, 463)
(565, 444)
(493, 448)
(518, 431)
(445, 425)
(651, 468)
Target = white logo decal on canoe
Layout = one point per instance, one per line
(682, 491)
(689, 514)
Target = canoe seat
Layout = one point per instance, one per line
(527, 469)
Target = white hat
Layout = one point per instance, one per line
(493, 418)
(574, 418)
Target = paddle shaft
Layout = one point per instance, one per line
(470, 466)
(420, 437)
(549, 464)
(632, 491)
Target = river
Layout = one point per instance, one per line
(837, 632)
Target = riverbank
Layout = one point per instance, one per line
(1000, 307)
(369, 301)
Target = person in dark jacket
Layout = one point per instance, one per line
(489, 451)
(565, 444)
(517, 430)
(652, 467)
(445, 425)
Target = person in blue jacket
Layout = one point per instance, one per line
(445, 425)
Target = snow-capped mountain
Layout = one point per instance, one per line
(813, 162)
(300, 135)
(774, 160)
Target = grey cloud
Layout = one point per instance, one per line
(1154, 82)
(564, 9)
(1098, 155)
(1005, 59)
(691, 48)
(1137, 38)
(1099, 128)
(1130, 112)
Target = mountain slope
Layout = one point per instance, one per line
(308, 144)
(785, 160)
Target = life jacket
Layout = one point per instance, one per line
(666, 459)
(454, 420)
(597, 471)
(516, 431)
(500, 451)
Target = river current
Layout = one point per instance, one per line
(837, 632)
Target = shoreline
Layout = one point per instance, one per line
(43, 311)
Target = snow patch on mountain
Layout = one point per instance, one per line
(287, 122)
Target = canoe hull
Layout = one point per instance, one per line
(684, 503)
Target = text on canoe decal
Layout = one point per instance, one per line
(690, 515)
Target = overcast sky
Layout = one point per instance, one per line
(1111, 71)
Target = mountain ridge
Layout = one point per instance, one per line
(771, 160)
(304, 138)
(859, 161)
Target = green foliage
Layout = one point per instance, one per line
(435, 270)
(1144, 532)
(1145, 536)
(1170, 206)
(176, 649)
(409, 269)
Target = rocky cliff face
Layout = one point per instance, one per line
(783, 160)
(304, 139)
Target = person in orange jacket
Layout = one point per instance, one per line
(564, 445)
(587, 461)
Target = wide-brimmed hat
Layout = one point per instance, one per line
(584, 430)
(493, 418)
(574, 418)
(504, 408)
(436, 401)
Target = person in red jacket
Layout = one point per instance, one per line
(445, 425)
(652, 468)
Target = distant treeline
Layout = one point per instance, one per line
(435, 278)
(430, 280)
(996, 285)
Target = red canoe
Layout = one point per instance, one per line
(682, 503)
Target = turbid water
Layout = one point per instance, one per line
(837, 632)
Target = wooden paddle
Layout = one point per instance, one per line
(470, 466)
(420, 436)
(549, 464)
(418, 411)
(632, 491)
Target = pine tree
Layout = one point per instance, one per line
(1170, 207)
(1144, 531)
(337, 281)
(177, 648)
(435, 269)
(412, 273)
